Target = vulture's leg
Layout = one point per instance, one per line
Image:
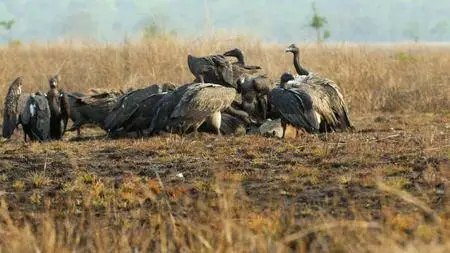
(195, 128)
(202, 79)
(216, 119)
(283, 125)
(78, 132)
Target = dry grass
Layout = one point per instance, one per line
(405, 77)
(383, 188)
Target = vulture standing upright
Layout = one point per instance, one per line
(11, 110)
(35, 118)
(186, 108)
(324, 89)
(212, 69)
(303, 103)
(59, 109)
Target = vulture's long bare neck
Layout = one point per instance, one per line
(300, 70)
(240, 57)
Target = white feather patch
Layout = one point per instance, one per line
(32, 110)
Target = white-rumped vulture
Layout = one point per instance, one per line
(305, 102)
(186, 108)
(59, 109)
(211, 69)
(35, 118)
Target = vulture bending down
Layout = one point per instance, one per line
(141, 117)
(186, 108)
(11, 110)
(239, 67)
(90, 109)
(127, 106)
(254, 93)
(35, 118)
(211, 69)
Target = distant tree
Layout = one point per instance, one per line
(318, 23)
(7, 24)
(440, 29)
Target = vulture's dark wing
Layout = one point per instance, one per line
(144, 114)
(214, 68)
(42, 128)
(296, 107)
(164, 108)
(127, 106)
(25, 111)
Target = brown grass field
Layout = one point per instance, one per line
(383, 188)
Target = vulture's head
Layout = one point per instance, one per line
(53, 81)
(285, 77)
(17, 82)
(166, 87)
(292, 49)
(236, 52)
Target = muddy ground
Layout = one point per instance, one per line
(314, 176)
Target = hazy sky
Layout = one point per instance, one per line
(272, 20)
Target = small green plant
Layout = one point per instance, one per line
(39, 179)
(3, 178)
(35, 198)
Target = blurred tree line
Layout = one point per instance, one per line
(282, 20)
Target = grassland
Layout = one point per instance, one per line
(382, 188)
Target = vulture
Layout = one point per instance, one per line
(237, 53)
(90, 109)
(185, 109)
(59, 109)
(36, 118)
(239, 67)
(11, 110)
(212, 69)
(132, 104)
(254, 95)
(304, 103)
(296, 53)
(326, 90)
(141, 118)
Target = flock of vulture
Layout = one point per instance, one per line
(227, 97)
